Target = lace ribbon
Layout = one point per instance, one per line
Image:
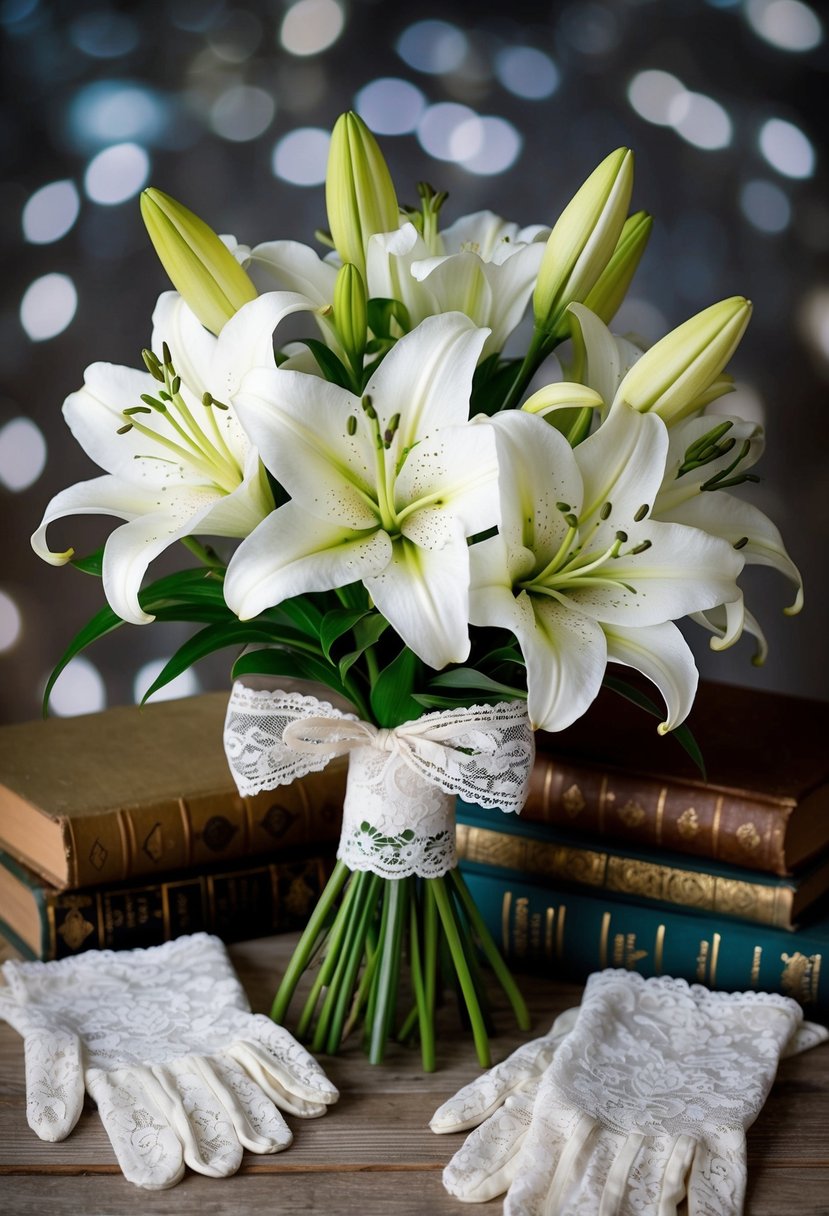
(398, 815)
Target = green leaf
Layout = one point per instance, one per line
(331, 367)
(274, 661)
(491, 384)
(102, 622)
(335, 623)
(93, 563)
(203, 643)
(505, 654)
(367, 631)
(381, 313)
(428, 701)
(682, 734)
(468, 677)
(391, 696)
(304, 615)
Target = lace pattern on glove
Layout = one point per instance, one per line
(398, 817)
(662, 1057)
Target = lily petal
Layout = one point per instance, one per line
(622, 463)
(291, 552)
(99, 496)
(299, 424)
(297, 267)
(565, 652)
(537, 472)
(739, 522)
(566, 659)
(426, 378)
(661, 653)
(191, 345)
(424, 594)
(684, 570)
(720, 622)
(130, 549)
(457, 470)
(608, 358)
(94, 416)
(246, 341)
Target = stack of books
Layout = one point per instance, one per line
(125, 829)
(625, 857)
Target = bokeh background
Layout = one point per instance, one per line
(226, 104)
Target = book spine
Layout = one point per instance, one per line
(637, 810)
(561, 933)
(252, 901)
(186, 833)
(523, 852)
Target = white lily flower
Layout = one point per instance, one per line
(706, 455)
(481, 265)
(581, 573)
(385, 489)
(175, 465)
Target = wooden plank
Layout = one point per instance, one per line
(373, 1153)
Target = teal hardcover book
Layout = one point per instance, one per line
(547, 853)
(564, 933)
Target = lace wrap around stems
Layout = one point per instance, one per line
(398, 815)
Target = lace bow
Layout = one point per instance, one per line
(398, 810)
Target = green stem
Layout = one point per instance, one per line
(365, 982)
(386, 988)
(379, 954)
(424, 1015)
(430, 952)
(491, 952)
(329, 962)
(307, 943)
(355, 957)
(539, 349)
(205, 555)
(450, 930)
(349, 914)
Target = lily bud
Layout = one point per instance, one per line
(583, 240)
(350, 313)
(610, 289)
(359, 193)
(672, 377)
(200, 266)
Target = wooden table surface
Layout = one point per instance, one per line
(373, 1153)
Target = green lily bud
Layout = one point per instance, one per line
(359, 193)
(583, 240)
(350, 313)
(672, 377)
(610, 289)
(200, 266)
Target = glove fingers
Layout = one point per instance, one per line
(277, 1083)
(146, 1147)
(717, 1183)
(256, 1121)
(295, 1068)
(486, 1163)
(477, 1101)
(558, 1154)
(54, 1082)
(199, 1119)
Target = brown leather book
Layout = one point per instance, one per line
(130, 792)
(763, 806)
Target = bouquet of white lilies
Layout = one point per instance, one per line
(451, 544)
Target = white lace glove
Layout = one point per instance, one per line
(164, 1042)
(648, 1096)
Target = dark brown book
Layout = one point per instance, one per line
(252, 899)
(134, 792)
(765, 802)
